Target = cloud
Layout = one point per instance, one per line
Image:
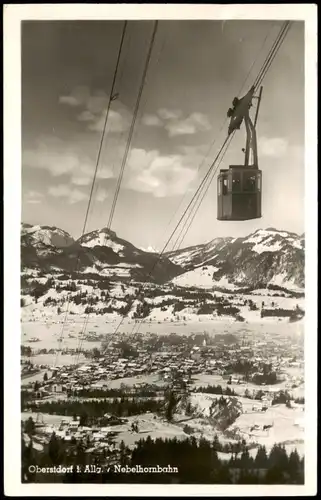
(196, 122)
(33, 197)
(180, 128)
(160, 175)
(102, 195)
(95, 108)
(274, 147)
(169, 114)
(152, 121)
(68, 99)
(60, 158)
(79, 96)
(147, 171)
(71, 194)
(117, 122)
(175, 124)
(86, 116)
(43, 156)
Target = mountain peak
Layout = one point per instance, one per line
(101, 238)
(105, 230)
(46, 235)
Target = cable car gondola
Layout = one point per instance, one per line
(239, 188)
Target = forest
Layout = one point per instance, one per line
(198, 462)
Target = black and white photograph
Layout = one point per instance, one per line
(161, 331)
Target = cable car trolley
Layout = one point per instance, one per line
(239, 188)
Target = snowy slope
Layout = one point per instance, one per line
(45, 235)
(100, 252)
(265, 257)
(102, 237)
(201, 277)
(194, 256)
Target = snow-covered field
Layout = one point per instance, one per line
(287, 426)
(202, 380)
(49, 330)
(131, 381)
(45, 417)
(201, 277)
(148, 425)
(287, 423)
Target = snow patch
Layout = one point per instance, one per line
(266, 247)
(102, 240)
(201, 277)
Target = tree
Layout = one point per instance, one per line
(45, 377)
(95, 352)
(188, 409)
(54, 449)
(294, 466)
(26, 350)
(27, 459)
(259, 395)
(261, 459)
(122, 450)
(216, 444)
(278, 458)
(247, 394)
(170, 407)
(246, 461)
(83, 419)
(29, 426)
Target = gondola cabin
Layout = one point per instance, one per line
(239, 193)
(239, 188)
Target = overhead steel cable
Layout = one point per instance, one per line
(201, 197)
(262, 72)
(128, 144)
(202, 183)
(224, 124)
(86, 320)
(270, 58)
(111, 97)
(275, 47)
(196, 197)
(267, 67)
(123, 165)
(177, 225)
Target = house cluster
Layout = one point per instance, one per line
(177, 362)
(94, 439)
(27, 368)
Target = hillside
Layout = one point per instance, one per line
(100, 252)
(105, 274)
(264, 257)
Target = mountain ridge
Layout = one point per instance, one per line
(265, 256)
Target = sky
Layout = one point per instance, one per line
(196, 69)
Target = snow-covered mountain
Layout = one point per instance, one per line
(149, 249)
(99, 252)
(105, 274)
(264, 257)
(45, 235)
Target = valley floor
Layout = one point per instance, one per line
(49, 330)
(285, 423)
